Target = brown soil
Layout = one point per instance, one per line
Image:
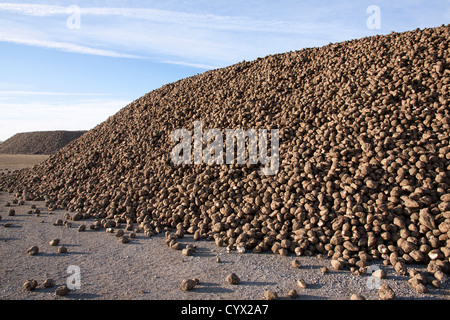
(39, 142)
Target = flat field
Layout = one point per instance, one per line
(13, 162)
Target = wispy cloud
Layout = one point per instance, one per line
(47, 93)
(202, 41)
(187, 64)
(40, 10)
(188, 35)
(208, 21)
(31, 40)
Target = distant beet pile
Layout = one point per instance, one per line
(39, 142)
(364, 156)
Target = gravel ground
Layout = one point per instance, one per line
(147, 269)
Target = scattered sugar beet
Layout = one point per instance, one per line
(295, 264)
(233, 278)
(54, 242)
(187, 251)
(34, 250)
(301, 283)
(270, 295)
(385, 292)
(293, 293)
(379, 273)
(188, 284)
(356, 296)
(40, 142)
(49, 283)
(363, 166)
(119, 233)
(62, 249)
(30, 285)
(62, 291)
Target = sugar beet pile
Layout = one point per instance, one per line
(39, 142)
(364, 155)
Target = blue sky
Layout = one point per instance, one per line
(69, 65)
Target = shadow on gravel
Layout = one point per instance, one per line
(437, 293)
(257, 283)
(434, 298)
(12, 226)
(315, 286)
(306, 297)
(8, 239)
(202, 252)
(71, 245)
(210, 287)
(308, 267)
(56, 254)
(74, 295)
(47, 254)
(71, 253)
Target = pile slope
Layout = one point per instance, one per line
(364, 155)
(39, 142)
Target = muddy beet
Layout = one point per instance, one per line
(232, 278)
(188, 284)
(30, 285)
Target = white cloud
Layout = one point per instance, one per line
(208, 21)
(201, 40)
(188, 64)
(39, 10)
(46, 93)
(31, 110)
(190, 39)
(64, 46)
(79, 114)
